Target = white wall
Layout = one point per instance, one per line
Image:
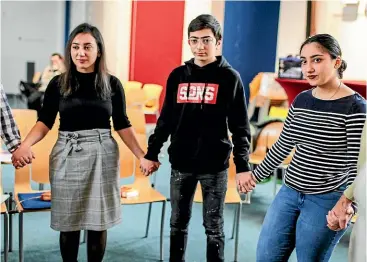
(351, 35)
(78, 13)
(291, 28)
(116, 29)
(113, 19)
(30, 31)
(193, 8)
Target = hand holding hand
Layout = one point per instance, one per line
(148, 167)
(22, 156)
(245, 181)
(340, 215)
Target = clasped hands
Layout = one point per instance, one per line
(22, 156)
(340, 215)
(245, 182)
(148, 167)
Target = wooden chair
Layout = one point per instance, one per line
(135, 97)
(134, 94)
(232, 197)
(25, 120)
(266, 139)
(38, 172)
(137, 119)
(132, 85)
(268, 135)
(152, 95)
(265, 92)
(129, 166)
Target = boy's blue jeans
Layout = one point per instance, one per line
(297, 220)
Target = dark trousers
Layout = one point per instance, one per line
(96, 245)
(183, 186)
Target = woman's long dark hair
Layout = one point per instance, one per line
(69, 83)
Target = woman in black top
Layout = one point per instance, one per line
(84, 168)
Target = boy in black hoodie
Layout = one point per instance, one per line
(204, 98)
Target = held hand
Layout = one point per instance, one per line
(332, 221)
(340, 215)
(22, 156)
(245, 181)
(148, 167)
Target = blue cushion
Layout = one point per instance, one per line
(36, 203)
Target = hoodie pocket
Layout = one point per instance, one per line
(217, 152)
(182, 149)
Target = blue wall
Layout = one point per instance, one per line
(250, 37)
(67, 21)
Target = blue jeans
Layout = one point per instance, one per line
(297, 220)
(214, 188)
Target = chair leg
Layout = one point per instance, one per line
(154, 179)
(21, 255)
(234, 222)
(84, 240)
(6, 237)
(237, 232)
(162, 229)
(10, 207)
(148, 219)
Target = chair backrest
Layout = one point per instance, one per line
(25, 120)
(132, 85)
(273, 132)
(255, 86)
(135, 97)
(137, 119)
(268, 136)
(152, 94)
(126, 157)
(38, 171)
(129, 165)
(272, 89)
(40, 165)
(139, 176)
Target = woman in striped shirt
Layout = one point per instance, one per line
(324, 124)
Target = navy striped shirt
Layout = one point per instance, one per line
(327, 137)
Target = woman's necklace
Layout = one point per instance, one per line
(337, 90)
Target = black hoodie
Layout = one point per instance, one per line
(201, 104)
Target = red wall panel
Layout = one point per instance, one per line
(156, 40)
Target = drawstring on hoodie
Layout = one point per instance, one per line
(188, 91)
(203, 98)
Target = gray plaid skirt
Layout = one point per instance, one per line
(84, 177)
